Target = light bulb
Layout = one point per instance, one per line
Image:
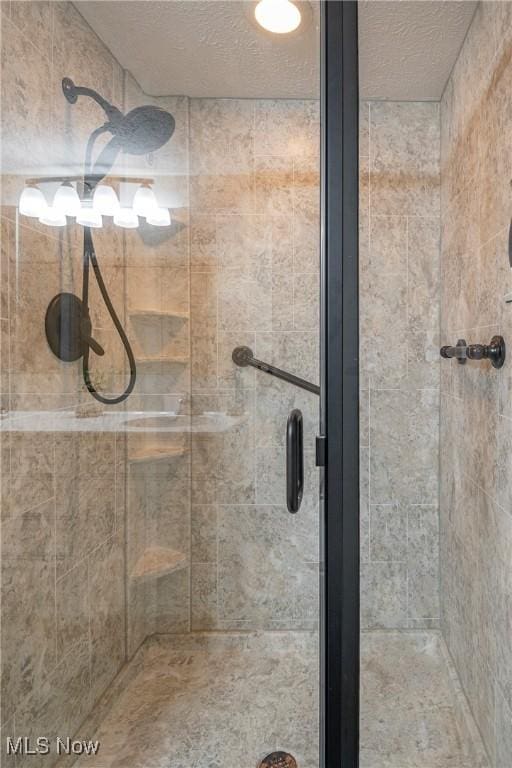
(279, 16)
(32, 202)
(160, 217)
(66, 200)
(53, 217)
(144, 201)
(105, 200)
(127, 218)
(88, 217)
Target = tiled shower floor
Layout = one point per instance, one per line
(225, 701)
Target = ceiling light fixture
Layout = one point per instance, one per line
(278, 16)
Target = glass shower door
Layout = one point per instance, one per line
(161, 528)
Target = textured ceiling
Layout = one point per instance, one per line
(407, 49)
(212, 49)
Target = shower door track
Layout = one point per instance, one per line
(339, 376)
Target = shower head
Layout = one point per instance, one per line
(142, 130)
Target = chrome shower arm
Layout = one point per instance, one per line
(243, 356)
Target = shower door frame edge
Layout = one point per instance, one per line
(339, 406)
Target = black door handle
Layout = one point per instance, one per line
(294, 461)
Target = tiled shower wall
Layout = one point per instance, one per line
(476, 412)
(399, 369)
(62, 526)
(254, 200)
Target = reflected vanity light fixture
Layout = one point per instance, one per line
(53, 217)
(160, 217)
(144, 201)
(32, 202)
(100, 200)
(89, 216)
(105, 200)
(66, 200)
(126, 218)
(278, 16)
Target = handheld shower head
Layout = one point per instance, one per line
(142, 130)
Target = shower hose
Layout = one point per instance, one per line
(89, 257)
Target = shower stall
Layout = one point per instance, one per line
(255, 297)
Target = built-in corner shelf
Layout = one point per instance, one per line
(158, 561)
(164, 313)
(156, 453)
(167, 359)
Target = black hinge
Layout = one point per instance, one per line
(320, 450)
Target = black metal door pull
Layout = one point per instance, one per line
(294, 461)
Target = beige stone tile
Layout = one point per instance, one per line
(72, 600)
(204, 362)
(286, 128)
(249, 537)
(203, 302)
(58, 706)
(204, 596)
(30, 535)
(306, 229)
(221, 136)
(383, 319)
(364, 507)
(424, 361)
(404, 158)
(149, 246)
(34, 19)
(245, 301)
(31, 478)
(388, 532)
(503, 732)
(25, 89)
(203, 243)
(79, 54)
(273, 184)
(388, 244)
(364, 128)
(106, 598)
(306, 301)
(7, 242)
(171, 612)
(383, 595)
(204, 533)
(85, 495)
(28, 638)
(423, 272)
(244, 243)
(283, 308)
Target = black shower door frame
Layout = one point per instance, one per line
(339, 408)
